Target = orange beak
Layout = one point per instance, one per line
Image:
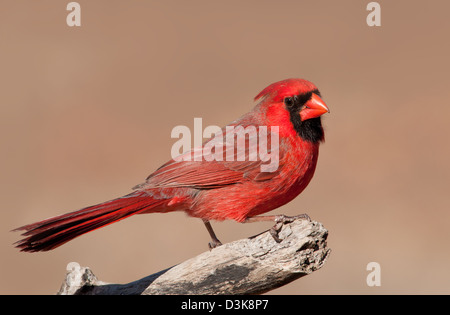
(315, 107)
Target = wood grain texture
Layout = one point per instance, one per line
(253, 265)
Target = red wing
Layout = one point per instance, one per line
(220, 163)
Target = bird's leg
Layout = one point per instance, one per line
(214, 240)
(279, 221)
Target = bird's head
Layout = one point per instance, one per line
(295, 105)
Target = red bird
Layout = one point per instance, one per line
(217, 189)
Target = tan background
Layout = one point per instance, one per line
(86, 113)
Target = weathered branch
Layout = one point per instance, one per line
(248, 266)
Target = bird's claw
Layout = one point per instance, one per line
(214, 243)
(286, 219)
(274, 230)
(283, 219)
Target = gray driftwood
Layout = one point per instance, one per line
(248, 266)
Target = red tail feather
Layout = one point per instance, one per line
(51, 233)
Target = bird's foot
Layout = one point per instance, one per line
(214, 240)
(214, 243)
(283, 219)
(286, 219)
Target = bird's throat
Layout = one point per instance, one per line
(309, 130)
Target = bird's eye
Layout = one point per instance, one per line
(289, 101)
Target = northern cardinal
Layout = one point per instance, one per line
(216, 189)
